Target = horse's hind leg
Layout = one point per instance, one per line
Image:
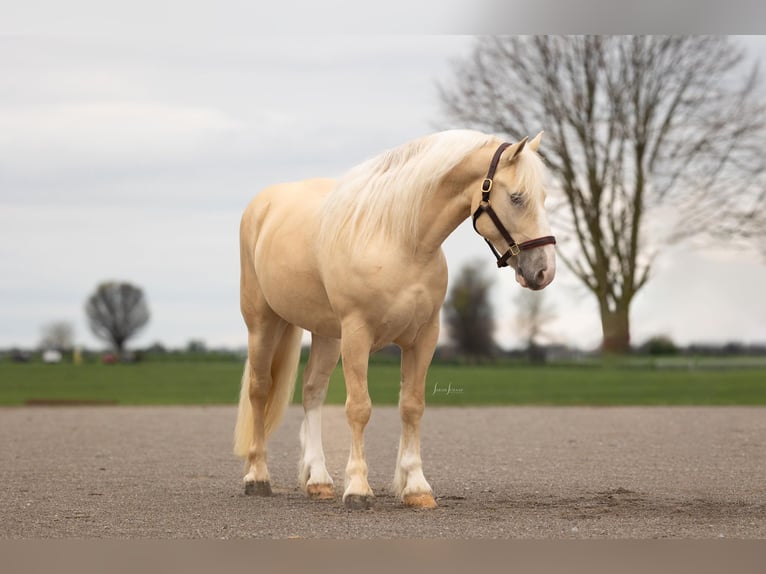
(409, 482)
(312, 473)
(262, 345)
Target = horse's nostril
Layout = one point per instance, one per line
(540, 277)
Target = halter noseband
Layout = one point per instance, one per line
(485, 207)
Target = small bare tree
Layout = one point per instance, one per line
(469, 315)
(533, 314)
(651, 140)
(58, 335)
(116, 312)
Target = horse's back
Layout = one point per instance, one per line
(284, 203)
(277, 241)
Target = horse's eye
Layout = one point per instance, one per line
(517, 199)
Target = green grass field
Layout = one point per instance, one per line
(218, 383)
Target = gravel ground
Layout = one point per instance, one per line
(498, 472)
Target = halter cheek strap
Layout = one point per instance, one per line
(485, 207)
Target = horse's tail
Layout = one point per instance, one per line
(284, 370)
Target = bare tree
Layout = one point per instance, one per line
(58, 335)
(469, 315)
(651, 140)
(116, 312)
(533, 314)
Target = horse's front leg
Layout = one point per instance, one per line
(356, 342)
(409, 482)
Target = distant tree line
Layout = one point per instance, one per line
(447, 353)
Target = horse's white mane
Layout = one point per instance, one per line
(384, 195)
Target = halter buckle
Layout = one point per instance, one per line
(514, 249)
(486, 185)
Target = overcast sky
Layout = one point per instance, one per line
(132, 158)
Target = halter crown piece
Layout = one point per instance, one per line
(485, 207)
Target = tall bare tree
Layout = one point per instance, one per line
(116, 312)
(651, 140)
(469, 315)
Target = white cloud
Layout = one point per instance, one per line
(105, 135)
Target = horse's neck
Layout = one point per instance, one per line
(446, 208)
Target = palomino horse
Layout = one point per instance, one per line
(358, 262)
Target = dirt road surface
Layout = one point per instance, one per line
(499, 472)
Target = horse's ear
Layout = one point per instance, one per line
(515, 149)
(535, 143)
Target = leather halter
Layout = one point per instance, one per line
(485, 207)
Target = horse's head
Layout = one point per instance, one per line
(508, 211)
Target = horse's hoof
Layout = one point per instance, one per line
(320, 491)
(359, 501)
(419, 501)
(258, 488)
